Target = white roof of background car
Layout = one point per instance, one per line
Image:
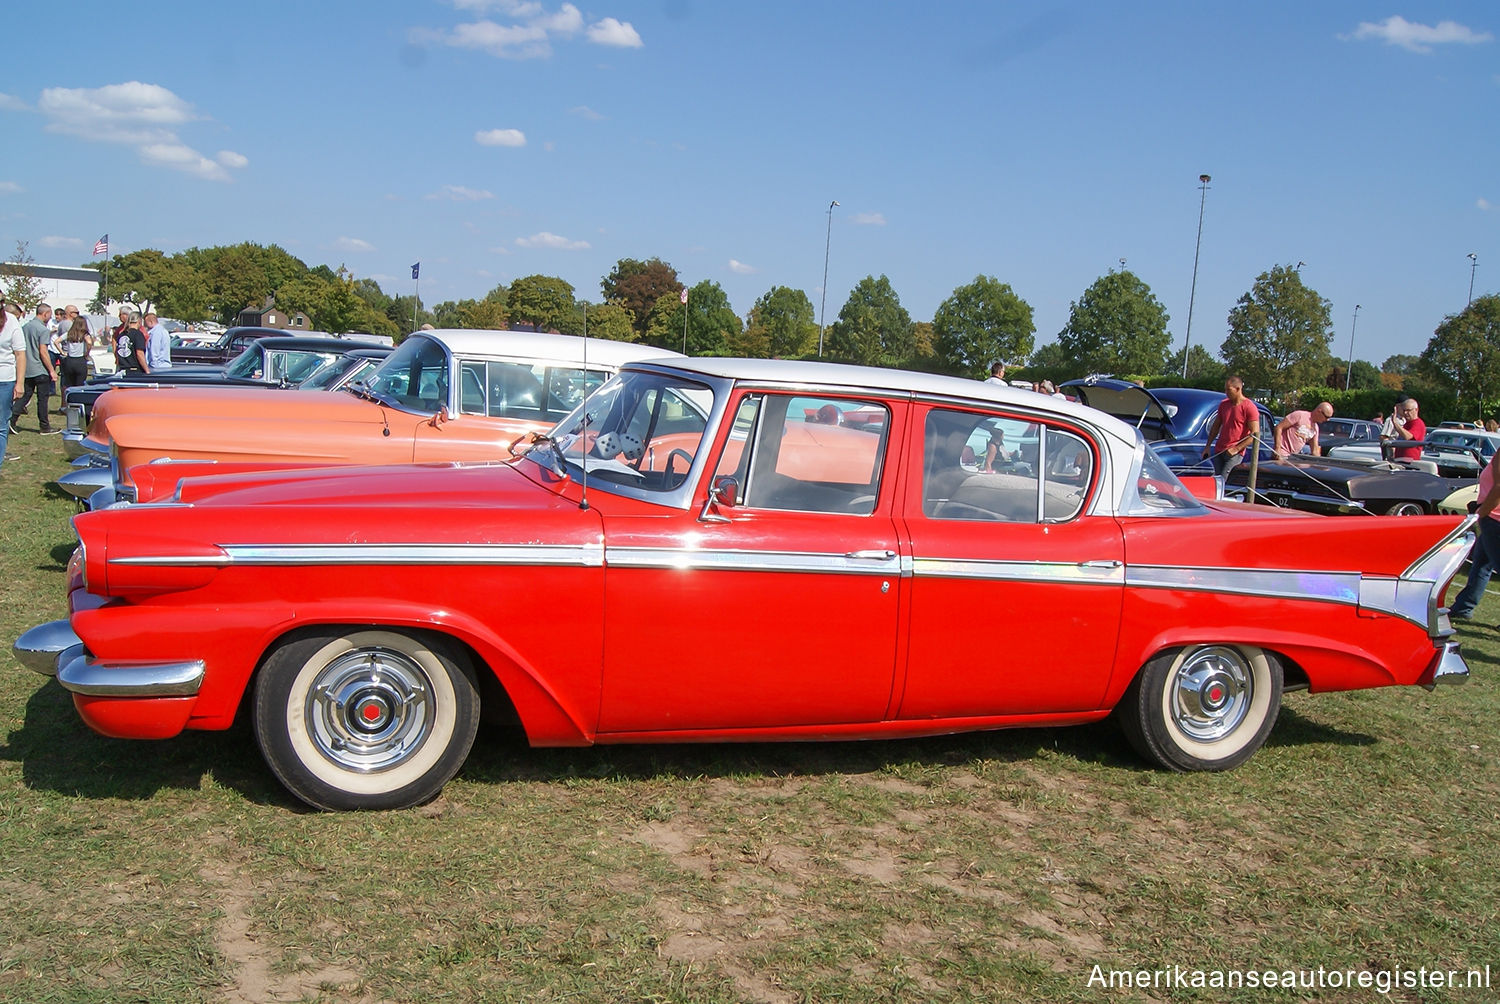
(536, 345)
(816, 374)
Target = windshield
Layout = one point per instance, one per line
(248, 365)
(642, 430)
(334, 370)
(414, 377)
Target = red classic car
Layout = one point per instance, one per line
(737, 550)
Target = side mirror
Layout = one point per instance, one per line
(724, 493)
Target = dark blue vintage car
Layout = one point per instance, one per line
(1174, 420)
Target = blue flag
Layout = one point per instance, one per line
(415, 269)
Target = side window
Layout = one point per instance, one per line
(978, 466)
(807, 454)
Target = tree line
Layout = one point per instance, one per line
(1279, 333)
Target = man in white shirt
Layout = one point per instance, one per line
(158, 343)
(12, 366)
(997, 374)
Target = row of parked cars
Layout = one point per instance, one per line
(1352, 476)
(608, 543)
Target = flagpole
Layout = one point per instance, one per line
(684, 321)
(416, 309)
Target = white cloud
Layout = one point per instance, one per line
(585, 112)
(353, 244)
(141, 116)
(10, 188)
(616, 33)
(553, 241)
(500, 137)
(1414, 37)
(740, 268)
(525, 30)
(458, 193)
(11, 103)
(868, 219)
(61, 242)
(1485, 204)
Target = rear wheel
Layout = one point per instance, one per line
(1406, 509)
(1208, 707)
(365, 719)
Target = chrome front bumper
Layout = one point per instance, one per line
(52, 649)
(81, 482)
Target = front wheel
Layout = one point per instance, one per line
(365, 719)
(1406, 509)
(1208, 707)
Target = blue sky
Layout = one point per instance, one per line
(1038, 143)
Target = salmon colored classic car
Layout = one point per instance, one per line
(441, 395)
(817, 579)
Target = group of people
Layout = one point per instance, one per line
(1236, 426)
(52, 349)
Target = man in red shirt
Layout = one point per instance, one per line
(1238, 425)
(1406, 425)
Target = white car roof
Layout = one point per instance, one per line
(873, 378)
(534, 344)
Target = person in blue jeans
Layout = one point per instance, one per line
(1486, 552)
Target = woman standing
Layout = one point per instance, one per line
(75, 354)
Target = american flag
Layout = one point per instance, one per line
(101, 246)
(683, 295)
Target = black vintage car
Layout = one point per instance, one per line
(1340, 487)
(222, 349)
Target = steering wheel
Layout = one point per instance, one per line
(667, 468)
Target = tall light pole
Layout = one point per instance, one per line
(1187, 340)
(823, 304)
(1473, 264)
(1349, 370)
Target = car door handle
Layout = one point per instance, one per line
(875, 554)
(1100, 564)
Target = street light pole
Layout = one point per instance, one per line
(823, 303)
(1473, 264)
(1187, 341)
(1349, 369)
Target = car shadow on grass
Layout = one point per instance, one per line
(58, 753)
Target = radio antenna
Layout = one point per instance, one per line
(583, 435)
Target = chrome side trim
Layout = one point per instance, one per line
(1098, 573)
(587, 555)
(886, 563)
(86, 675)
(39, 648)
(1332, 587)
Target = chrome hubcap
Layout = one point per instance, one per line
(1211, 693)
(369, 709)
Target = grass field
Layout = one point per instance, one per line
(1000, 867)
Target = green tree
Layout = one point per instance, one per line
(1204, 369)
(142, 277)
(711, 323)
(307, 294)
(611, 321)
(980, 323)
(543, 301)
(872, 327)
(1401, 364)
(18, 281)
(1464, 352)
(1279, 333)
(781, 325)
(637, 286)
(1117, 326)
(1363, 376)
